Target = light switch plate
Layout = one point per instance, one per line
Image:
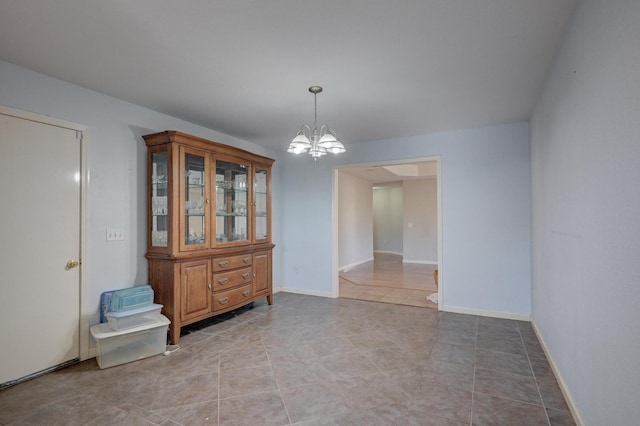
(115, 234)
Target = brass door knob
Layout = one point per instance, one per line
(72, 264)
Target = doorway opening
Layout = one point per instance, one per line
(388, 232)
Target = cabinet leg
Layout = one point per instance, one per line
(270, 299)
(174, 333)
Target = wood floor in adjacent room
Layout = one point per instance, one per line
(387, 279)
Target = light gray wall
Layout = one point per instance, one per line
(387, 219)
(355, 220)
(420, 241)
(585, 137)
(485, 180)
(486, 214)
(117, 162)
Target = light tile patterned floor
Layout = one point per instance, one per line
(399, 296)
(387, 279)
(313, 361)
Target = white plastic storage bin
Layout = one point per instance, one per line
(119, 347)
(134, 318)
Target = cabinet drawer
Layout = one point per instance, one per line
(226, 299)
(224, 280)
(231, 262)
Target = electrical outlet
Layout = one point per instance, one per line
(115, 234)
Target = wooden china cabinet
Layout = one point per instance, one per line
(209, 227)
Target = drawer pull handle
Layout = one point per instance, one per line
(223, 263)
(245, 275)
(223, 281)
(223, 300)
(246, 260)
(245, 293)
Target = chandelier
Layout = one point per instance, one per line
(316, 142)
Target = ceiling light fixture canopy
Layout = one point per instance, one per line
(316, 142)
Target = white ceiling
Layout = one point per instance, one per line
(389, 68)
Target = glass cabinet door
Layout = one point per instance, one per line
(159, 207)
(232, 201)
(194, 200)
(261, 204)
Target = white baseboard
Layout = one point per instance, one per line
(305, 291)
(93, 352)
(486, 313)
(389, 252)
(351, 265)
(561, 383)
(421, 262)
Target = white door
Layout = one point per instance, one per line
(39, 235)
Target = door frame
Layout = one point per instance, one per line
(82, 132)
(334, 219)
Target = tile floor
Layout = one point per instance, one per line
(313, 361)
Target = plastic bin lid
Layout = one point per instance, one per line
(120, 314)
(102, 330)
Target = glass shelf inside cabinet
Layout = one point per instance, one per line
(194, 199)
(232, 201)
(261, 209)
(159, 208)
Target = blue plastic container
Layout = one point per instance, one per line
(105, 299)
(130, 298)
